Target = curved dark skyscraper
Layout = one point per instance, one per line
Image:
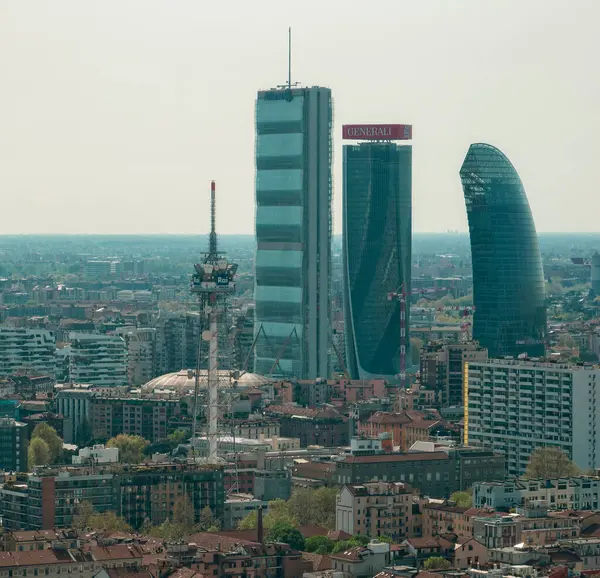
(377, 205)
(508, 280)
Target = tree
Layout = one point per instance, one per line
(462, 499)
(316, 543)
(177, 437)
(208, 522)
(131, 447)
(314, 507)
(278, 511)
(107, 521)
(183, 513)
(48, 434)
(83, 511)
(550, 462)
(436, 563)
(38, 453)
(287, 534)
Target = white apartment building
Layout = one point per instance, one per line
(515, 406)
(576, 493)
(142, 362)
(27, 351)
(100, 360)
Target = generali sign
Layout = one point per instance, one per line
(377, 131)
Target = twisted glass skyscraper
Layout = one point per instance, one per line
(377, 208)
(508, 280)
(293, 232)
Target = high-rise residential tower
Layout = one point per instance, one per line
(377, 217)
(508, 280)
(293, 231)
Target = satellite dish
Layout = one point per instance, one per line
(206, 335)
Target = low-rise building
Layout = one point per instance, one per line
(362, 561)
(97, 454)
(443, 518)
(470, 553)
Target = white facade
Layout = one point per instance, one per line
(577, 493)
(100, 360)
(99, 454)
(142, 364)
(515, 406)
(27, 351)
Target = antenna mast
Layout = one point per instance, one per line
(290, 58)
(212, 247)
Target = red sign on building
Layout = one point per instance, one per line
(377, 131)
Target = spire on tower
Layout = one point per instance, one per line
(212, 247)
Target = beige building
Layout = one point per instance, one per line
(378, 509)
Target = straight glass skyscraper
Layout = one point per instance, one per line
(377, 222)
(508, 280)
(293, 232)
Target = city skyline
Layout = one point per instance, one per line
(144, 121)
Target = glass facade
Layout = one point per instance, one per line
(293, 232)
(508, 280)
(377, 222)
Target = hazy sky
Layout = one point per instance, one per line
(115, 114)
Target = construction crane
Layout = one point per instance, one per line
(400, 295)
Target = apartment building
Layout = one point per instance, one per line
(75, 405)
(49, 497)
(13, 445)
(142, 361)
(27, 351)
(148, 417)
(576, 493)
(98, 359)
(442, 368)
(84, 563)
(436, 474)
(515, 406)
(530, 526)
(406, 427)
(443, 518)
(378, 509)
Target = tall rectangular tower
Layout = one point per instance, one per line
(377, 230)
(293, 231)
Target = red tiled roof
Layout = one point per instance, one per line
(320, 562)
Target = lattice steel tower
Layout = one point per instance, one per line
(213, 282)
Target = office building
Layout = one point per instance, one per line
(27, 351)
(442, 369)
(293, 232)
(14, 438)
(516, 406)
(100, 360)
(508, 280)
(377, 230)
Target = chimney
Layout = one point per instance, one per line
(259, 526)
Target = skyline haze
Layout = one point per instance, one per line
(116, 116)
